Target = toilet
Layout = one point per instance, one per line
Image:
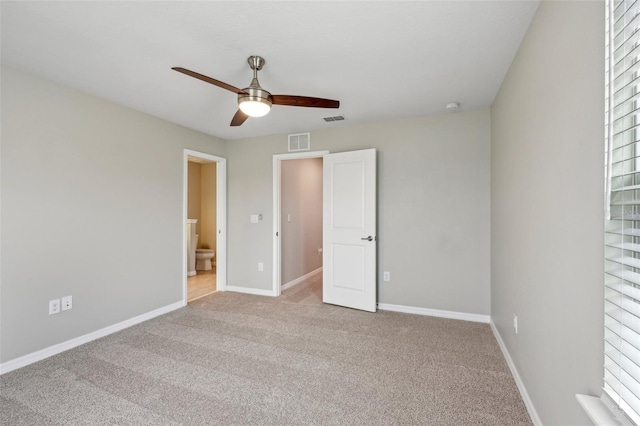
(203, 259)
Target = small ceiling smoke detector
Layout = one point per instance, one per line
(452, 107)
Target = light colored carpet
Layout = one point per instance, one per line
(239, 359)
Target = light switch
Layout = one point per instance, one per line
(288, 218)
(254, 218)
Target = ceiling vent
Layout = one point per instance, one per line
(336, 118)
(299, 142)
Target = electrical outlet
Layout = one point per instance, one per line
(67, 303)
(515, 323)
(54, 306)
(386, 275)
(260, 266)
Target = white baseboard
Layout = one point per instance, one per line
(301, 279)
(535, 418)
(248, 290)
(434, 313)
(25, 360)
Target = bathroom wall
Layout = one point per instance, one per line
(301, 217)
(194, 203)
(208, 207)
(201, 202)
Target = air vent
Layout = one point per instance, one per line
(299, 142)
(336, 118)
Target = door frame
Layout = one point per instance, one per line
(277, 164)
(221, 218)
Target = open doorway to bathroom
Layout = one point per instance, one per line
(204, 217)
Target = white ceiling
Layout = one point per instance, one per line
(381, 59)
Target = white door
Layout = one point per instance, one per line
(349, 230)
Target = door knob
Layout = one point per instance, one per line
(369, 238)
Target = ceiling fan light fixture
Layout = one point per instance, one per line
(254, 107)
(255, 102)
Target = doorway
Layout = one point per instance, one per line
(305, 256)
(204, 205)
(349, 240)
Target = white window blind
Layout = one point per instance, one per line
(622, 187)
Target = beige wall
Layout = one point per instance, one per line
(92, 206)
(201, 202)
(208, 207)
(194, 203)
(301, 202)
(547, 156)
(433, 207)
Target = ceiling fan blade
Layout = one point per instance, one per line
(239, 118)
(209, 80)
(304, 101)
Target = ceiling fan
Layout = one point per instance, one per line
(254, 101)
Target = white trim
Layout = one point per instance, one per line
(25, 360)
(300, 155)
(248, 290)
(301, 279)
(221, 218)
(185, 217)
(277, 160)
(601, 413)
(434, 313)
(276, 226)
(535, 418)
